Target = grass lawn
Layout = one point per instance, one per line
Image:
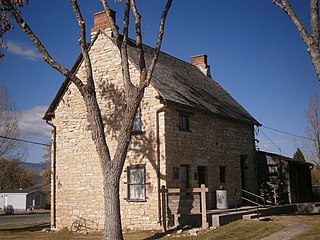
(236, 230)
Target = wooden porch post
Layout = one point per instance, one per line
(203, 207)
(164, 208)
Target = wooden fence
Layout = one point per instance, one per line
(164, 203)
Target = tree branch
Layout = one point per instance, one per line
(83, 43)
(142, 62)
(128, 86)
(44, 53)
(314, 19)
(277, 3)
(112, 22)
(94, 112)
(158, 44)
(312, 40)
(286, 7)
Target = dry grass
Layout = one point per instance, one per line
(245, 230)
(236, 230)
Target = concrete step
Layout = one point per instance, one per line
(308, 208)
(264, 219)
(251, 216)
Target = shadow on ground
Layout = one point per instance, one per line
(30, 228)
(156, 236)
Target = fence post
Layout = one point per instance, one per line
(203, 207)
(164, 208)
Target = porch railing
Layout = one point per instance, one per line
(257, 198)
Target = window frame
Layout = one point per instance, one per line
(273, 170)
(185, 183)
(184, 121)
(143, 184)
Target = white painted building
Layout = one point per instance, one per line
(23, 199)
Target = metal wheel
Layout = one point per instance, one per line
(76, 225)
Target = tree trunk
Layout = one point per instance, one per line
(112, 207)
(315, 58)
(112, 171)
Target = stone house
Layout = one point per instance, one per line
(188, 131)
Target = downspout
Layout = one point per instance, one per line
(162, 109)
(53, 174)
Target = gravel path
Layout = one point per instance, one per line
(291, 229)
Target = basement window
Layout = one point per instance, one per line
(136, 182)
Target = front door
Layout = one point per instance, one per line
(243, 167)
(203, 179)
(202, 175)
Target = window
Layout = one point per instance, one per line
(184, 176)
(222, 174)
(273, 170)
(137, 182)
(176, 174)
(137, 122)
(184, 121)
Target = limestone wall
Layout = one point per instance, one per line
(79, 184)
(212, 141)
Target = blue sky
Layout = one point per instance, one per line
(253, 49)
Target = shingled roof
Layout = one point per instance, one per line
(179, 82)
(183, 83)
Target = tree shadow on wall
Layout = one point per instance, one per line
(113, 106)
(143, 147)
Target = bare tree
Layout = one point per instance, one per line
(313, 127)
(111, 166)
(5, 25)
(311, 39)
(46, 174)
(13, 176)
(9, 128)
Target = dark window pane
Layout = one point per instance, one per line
(183, 122)
(222, 174)
(137, 121)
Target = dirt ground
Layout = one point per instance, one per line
(291, 230)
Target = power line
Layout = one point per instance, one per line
(271, 141)
(26, 141)
(34, 133)
(291, 134)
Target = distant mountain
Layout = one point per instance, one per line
(38, 168)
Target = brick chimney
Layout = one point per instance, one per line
(100, 21)
(200, 61)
